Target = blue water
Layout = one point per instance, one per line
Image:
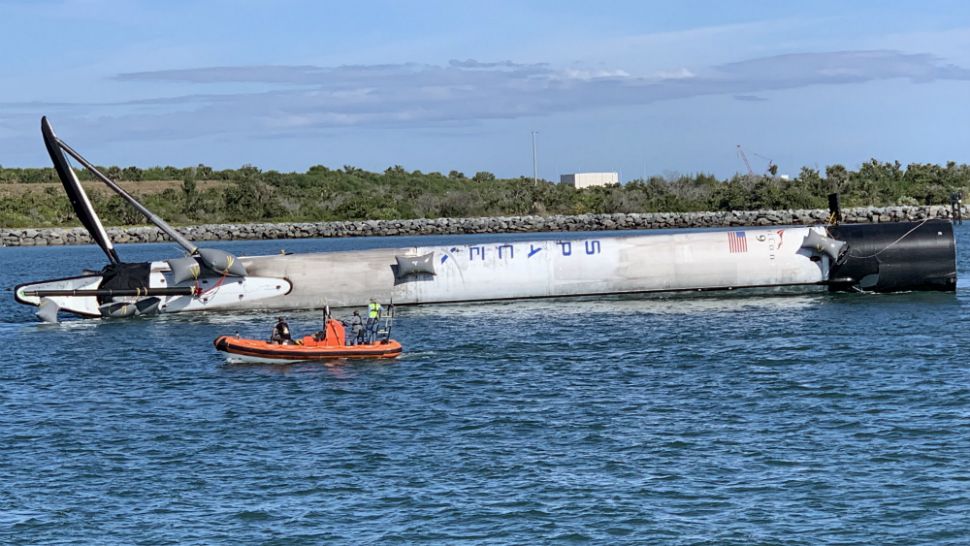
(738, 418)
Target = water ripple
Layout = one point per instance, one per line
(767, 417)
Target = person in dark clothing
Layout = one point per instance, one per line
(281, 332)
(356, 336)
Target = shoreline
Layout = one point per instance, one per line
(455, 226)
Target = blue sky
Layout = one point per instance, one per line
(637, 87)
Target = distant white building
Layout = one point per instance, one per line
(585, 180)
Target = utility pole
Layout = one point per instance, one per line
(535, 161)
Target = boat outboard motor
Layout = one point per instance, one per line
(895, 257)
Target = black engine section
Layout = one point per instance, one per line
(124, 275)
(895, 257)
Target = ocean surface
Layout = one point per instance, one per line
(762, 417)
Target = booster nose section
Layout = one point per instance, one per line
(895, 257)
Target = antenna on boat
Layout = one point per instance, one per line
(389, 320)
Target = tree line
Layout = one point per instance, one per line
(249, 194)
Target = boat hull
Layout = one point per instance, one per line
(252, 350)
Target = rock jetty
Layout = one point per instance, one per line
(502, 224)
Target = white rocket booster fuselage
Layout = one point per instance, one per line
(704, 260)
(549, 268)
(887, 258)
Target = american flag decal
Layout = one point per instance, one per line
(737, 242)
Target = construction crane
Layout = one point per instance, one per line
(772, 168)
(745, 159)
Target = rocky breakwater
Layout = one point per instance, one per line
(439, 226)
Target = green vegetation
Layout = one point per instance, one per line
(248, 194)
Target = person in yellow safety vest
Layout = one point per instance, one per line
(373, 318)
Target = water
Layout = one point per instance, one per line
(761, 418)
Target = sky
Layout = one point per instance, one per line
(639, 87)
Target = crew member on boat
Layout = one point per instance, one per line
(281, 332)
(356, 330)
(373, 319)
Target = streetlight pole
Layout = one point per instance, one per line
(535, 161)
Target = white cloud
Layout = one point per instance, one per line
(679, 74)
(586, 75)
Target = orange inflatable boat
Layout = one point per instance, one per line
(309, 348)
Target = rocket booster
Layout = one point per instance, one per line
(863, 257)
(885, 257)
